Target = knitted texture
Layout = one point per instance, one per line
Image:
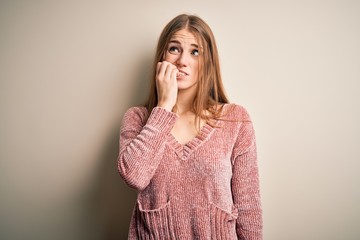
(207, 188)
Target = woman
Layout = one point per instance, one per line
(190, 154)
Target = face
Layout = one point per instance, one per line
(183, 51)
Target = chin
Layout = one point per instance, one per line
(182, 86)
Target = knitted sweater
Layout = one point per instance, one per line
(205, 189)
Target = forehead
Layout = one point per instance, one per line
(184, 36)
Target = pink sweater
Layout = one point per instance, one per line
(205, 189)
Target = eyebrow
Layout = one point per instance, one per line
(177, 42)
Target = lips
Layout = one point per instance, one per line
(181, 74)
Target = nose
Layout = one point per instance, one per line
(182, 60)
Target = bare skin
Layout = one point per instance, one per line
(176, 79)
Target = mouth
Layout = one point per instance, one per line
(181, 74)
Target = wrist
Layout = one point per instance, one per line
(165, 106)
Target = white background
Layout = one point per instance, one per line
(70, 69)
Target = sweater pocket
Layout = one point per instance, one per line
(155, 223)
(223, 223)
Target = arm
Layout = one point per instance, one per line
(142, 146)
(245, 184)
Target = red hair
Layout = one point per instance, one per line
(210, 94)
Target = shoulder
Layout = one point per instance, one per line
(137, 110)
(136, 114)
(235, 111)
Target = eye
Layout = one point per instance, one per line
(174, 50)
(195, 52)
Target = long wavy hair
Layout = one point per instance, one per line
(210, 94)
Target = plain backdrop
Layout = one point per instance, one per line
(70, 69)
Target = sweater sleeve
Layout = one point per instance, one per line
(245, 183)
(142, 145)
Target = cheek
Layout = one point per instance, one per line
(169, 58)
(196, 68)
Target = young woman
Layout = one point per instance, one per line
(190, 154)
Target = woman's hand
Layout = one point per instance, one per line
(166, 84)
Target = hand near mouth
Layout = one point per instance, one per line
(181, 74)
(166, 84)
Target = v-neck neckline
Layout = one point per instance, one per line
(183, 151)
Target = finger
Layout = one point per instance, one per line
(158, 67)
(169, 70)
(162, 70)
(174, 73)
